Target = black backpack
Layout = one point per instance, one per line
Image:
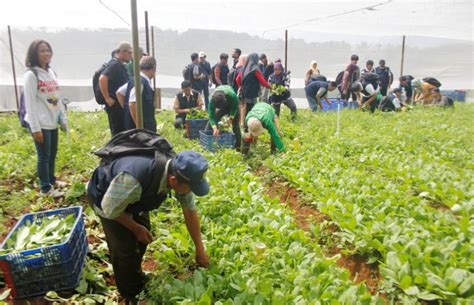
(188, 72)
(319, 78)
(339, 78)
(134, 142)
(213, 76)
(432, 81)
(95, 85)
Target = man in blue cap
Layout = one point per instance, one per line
(122, 193)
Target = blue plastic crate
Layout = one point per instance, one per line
(24, 270)
(194, 126)
(213, 143)
(334, 104)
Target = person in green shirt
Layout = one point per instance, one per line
(262, 116)
(129, 65)
(224, 101)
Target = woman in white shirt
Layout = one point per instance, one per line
(44, 111)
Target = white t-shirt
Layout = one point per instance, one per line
(44, 109)
(321, 92)
(370, 90)
(132, 98)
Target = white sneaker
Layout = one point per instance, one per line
(52, 193)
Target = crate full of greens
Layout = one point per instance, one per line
(44, 251)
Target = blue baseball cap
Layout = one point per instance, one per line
(191, 167)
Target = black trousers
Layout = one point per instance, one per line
(126, 254)
(246, 144)
(235, 125)
(116, 118)
(290, 103)
(383, 89)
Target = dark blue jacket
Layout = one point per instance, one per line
(384, 75)
(144, 168)
(312, 88)
(148, 104)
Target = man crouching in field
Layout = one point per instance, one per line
(122, 193)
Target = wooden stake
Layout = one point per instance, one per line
(13, 69)
(136, 66)
(403, 55)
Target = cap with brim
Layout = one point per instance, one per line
(191, 167)
(125, 46)
(202, 54)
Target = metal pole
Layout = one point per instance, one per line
(286, 51)
(136, 66)
(157, 92)
(13, 69)
(147, 38)
(403, 55)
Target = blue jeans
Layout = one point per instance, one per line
(46, 152)
(313, 104)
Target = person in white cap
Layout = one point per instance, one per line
(206, 67)
(261, 117)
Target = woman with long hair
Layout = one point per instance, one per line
(44, 112)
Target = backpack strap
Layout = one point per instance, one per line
(161, 159)
(35, 73)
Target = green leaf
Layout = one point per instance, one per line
(4, 295)
(413, 290)
(428, 296)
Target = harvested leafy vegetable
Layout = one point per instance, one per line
(278, 89)
(51, 231)
(197, 114)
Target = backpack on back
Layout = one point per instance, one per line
(188, 72)
(22, 110)
(339, 78)
(319, 77)
(100, 99)
(213, 76)
(432, 81)
(135, 142)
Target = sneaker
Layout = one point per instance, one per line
(52, 193)
(61, 184)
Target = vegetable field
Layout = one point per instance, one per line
(380, 213)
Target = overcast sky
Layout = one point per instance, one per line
(437, 18)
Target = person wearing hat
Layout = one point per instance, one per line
(123, 192)
(392, 102)
(224, 101)
(385, 77)
(369, 67)
(129, 65)
(127, 97)
(261, 117)
(206, 69)
(267, 69)
(110, 80)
